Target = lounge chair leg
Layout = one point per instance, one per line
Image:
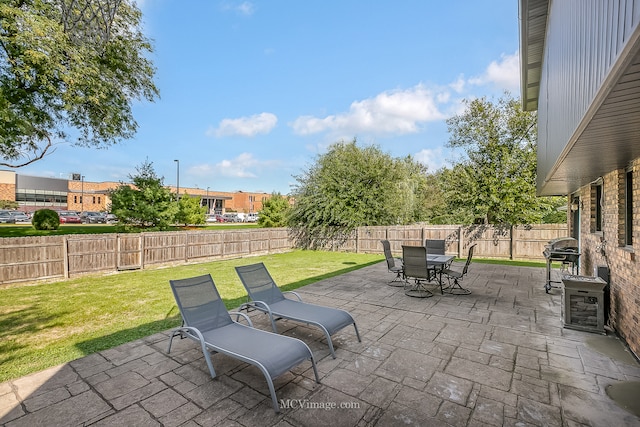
(173, 334)
(333, 353)
(315, 369)
(357, 333)
(207, 358)
(274, 399)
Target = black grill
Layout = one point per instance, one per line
(564, 250)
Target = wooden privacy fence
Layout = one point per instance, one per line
(25, 259)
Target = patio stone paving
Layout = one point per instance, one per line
(497, 357)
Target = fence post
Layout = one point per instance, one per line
(511, 243)
(65, 256)
(186, 246)
(460, 242)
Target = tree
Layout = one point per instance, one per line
(69, 69)
(148, 204)
(275, 211)
(496, 182)
(352, 186)
(190, 211)
(8, 204)
(45, 219)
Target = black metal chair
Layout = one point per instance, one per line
(415, 267)
(391, 264)
(455, 288)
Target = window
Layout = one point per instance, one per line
(628, 208)
(596, 207)
(75, 199)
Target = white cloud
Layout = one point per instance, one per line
(245, 126)
(459, 84)
(504, 74)
(243, 166)
(392, 112)
(434, 159)
(245, 8)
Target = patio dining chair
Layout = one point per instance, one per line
(457, 275)
(435, 246)
(415, 267)
(207, 321)
(265, 296)
(391, 264)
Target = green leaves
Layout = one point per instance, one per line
(190, 212)
(496, 182)
(352, 186)
(149, 204)
(60, 72)
(275, 211)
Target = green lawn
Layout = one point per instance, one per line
(46, 324)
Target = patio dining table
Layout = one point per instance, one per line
(439, 263)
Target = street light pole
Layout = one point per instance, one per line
(177, 179)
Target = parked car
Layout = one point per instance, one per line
(252, 217)
(231, 217)
(20, 216)
(211, 218)
(93, 218)
(111, 218)
(69, 217)
(6, 218)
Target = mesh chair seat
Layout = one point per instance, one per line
(267, 297)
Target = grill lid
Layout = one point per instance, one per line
(562, 243)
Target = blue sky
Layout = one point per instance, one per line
(252, 91)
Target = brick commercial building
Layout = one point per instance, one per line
(77, 194)
(580, 65)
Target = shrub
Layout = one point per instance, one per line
(45, 219)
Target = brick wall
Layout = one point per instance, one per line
(607, 248)
(8, 192)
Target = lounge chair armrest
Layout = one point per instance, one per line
(293, 293)
(258, 305)
(238, 315)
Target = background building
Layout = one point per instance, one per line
(78, 194)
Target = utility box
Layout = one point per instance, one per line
(583, 303)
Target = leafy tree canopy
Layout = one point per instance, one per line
(495, 183)
(352, 186)
(275, 211)
(69, 70)
(9, 204)
(190, 211)
(147, 204)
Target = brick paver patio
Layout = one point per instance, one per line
(496, 357)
